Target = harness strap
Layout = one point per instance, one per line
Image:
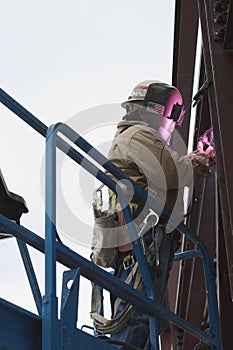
(128, 280)
(104, 325)
(114, 325)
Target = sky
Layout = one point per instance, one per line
(71, 61)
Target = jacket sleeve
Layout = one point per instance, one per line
(164, 167)
(190, 169)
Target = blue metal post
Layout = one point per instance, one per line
(50, 327)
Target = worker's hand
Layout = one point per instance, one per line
(201, 147)
(206, 145)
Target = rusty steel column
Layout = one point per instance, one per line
(184, 52)
(219, 70)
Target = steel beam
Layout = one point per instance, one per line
(184, 53)
(219, 70)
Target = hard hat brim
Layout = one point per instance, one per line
(125, 103)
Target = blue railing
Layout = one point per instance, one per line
(56, 251)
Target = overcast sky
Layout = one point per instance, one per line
(71, 61)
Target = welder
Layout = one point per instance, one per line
(141, 150)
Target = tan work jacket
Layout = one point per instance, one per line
(140, 152)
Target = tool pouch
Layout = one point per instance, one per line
(105, 238)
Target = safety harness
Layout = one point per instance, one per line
(151, 219)
(118, 321)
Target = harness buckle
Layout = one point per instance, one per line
(151, 219)
(128, 261)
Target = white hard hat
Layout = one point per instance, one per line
(139, 92)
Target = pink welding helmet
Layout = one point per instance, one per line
(166, 100)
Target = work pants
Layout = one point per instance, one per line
(136, 331)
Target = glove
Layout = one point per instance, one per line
(206, 145)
